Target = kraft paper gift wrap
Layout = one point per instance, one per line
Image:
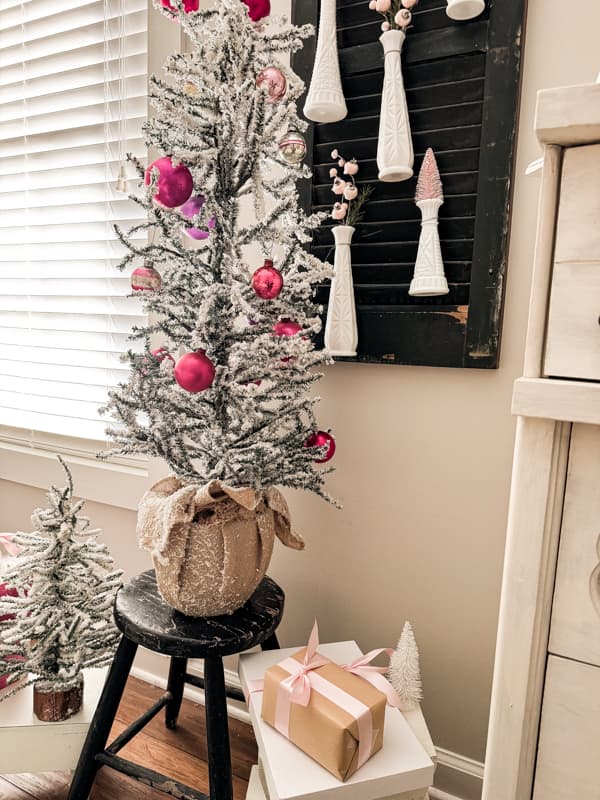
(334, 716)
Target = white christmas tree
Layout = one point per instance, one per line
(404, 674)
(60, 621)
(219, 385)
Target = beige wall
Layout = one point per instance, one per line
(423, 469)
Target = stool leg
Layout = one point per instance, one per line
(175, 685)
(217, 730)
(271, 643)
(102, 721)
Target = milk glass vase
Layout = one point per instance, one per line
(325, 100)
(341, 331)
(395, 156)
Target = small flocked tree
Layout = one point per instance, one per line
(405, 674)
(60, 621)
(219, 385)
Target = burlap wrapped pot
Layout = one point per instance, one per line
(211, 545)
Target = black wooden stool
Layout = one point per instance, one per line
(146, 620)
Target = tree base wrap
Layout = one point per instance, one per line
(50, 705)
(341, 726)
(211, 545)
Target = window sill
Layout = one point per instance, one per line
(30, 459)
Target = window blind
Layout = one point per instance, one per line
(73, 95)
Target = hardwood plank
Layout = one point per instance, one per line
(8, 791)
(42, 785)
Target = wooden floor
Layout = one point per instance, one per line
(180, 754)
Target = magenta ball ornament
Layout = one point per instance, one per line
(257, 9)
(194, 372)
(189, 209)
(322, 439)
(161, 353)
(286, 327)
(145, 279)
(267, 281)
(188, 5)
(175, 183)
(273, 80)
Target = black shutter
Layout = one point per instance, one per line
(462, 82)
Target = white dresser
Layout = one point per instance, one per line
(544, 734)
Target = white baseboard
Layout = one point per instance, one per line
(457, 772)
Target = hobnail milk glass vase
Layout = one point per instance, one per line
(395, 156)
(341, 331)
(325, 100)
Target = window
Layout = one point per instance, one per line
(72, 102)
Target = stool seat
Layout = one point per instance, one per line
(144, 618)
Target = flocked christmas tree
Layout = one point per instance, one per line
(60, 620)
(405, 674)
(219, 385)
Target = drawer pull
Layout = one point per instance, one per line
(595, 581)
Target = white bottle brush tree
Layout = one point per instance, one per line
(220, 381)
(61, 620)
(404, 672)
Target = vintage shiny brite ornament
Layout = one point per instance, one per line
(286, 327)
(189, 209)
(267, 281)
(174, 185)
(274, 82)
(194, 372)
(322, 439)
(293, 147)
(145, 279)
(257, 9)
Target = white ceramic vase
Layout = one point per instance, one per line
(341, 332)
(464, 9)
(429, 279)
(395, 156)
(325, 100)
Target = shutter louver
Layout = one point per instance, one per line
(72, 103)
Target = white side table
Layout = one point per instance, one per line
(29, 745)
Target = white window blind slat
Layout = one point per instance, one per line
(72, 103)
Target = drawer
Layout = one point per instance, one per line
(573, 338)
(575, 625)
(568, 761)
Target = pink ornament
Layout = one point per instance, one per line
(188, 5)
(145, 279)
(274, 81)
(189, 209)
(409, 3)
(385, 26)
(350, 192)
(286, 327)
(383, 6)
(174, 185)
(322, 439)
(338, 186)
(267, 281)
(339, 210)
(161, 353)
(257, 9)
(403, 18)
(194, 372)
(351, 167)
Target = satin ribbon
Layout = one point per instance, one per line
(299, 685)
(375, 675)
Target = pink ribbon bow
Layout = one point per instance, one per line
(375, 675)
(299, 685)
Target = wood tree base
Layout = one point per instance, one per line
(57, 706)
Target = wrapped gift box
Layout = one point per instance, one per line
(401, 767)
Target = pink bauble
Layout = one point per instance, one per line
(267, 281)
(174, 185)
(189, 209)
(257, 9)
(286, 327)
(194, 372)
(274, 82)
(322, 439)
(188, 5)
(161, 353)
(145, 279)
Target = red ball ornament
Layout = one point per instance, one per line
(160, 353)
(194, 372)
(322, 439)
(174, 185)
(188, 5)
(286, 327)
(267, 281)
(274, 81)
(145, 279)
(257, 9)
